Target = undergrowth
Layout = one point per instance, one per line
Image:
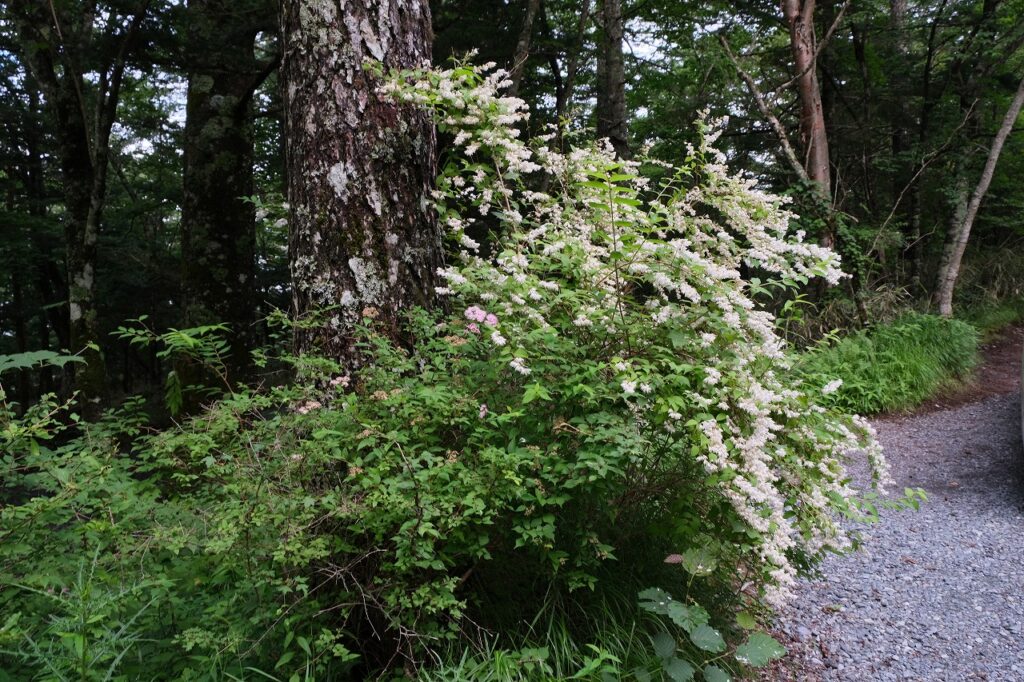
(991, 318)
(893, 366)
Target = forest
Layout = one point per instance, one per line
(477, 339)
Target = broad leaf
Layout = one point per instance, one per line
(688, 617)
(664, 645)
(759, 649)
(712, 673)
(679, 670)
(707, 638)
(655, 600)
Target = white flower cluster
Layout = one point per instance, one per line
(601, 254)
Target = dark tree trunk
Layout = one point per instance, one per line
(218, 227)
(611, 79)
(82, 130)
(360, 168)
(523, 46)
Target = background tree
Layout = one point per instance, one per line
(218, 221)
(61, 44)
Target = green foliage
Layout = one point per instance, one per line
(35, 359)
(601, 387)
(202, 348)
(995, 316)
(893, 366)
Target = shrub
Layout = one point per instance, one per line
(599, 381)
(893, 366)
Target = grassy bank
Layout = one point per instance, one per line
(894, 366)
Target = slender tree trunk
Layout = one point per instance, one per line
(51, 52)
(611, 79)
(799, 15)
(572, 62)
(364, 240)
(915, 251)
(523, 46)
(218, 226)
(949, 269)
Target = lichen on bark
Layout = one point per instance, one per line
(360, 167)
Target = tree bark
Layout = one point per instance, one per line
(364, 238)
(218, 227)
(572, 63)
(799, 16)
(523, 47)
(611, 79)
(52, 46)
(949, 269)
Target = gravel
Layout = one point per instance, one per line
(936, 594)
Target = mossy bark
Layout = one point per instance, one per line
(360, 168)
(218, 226)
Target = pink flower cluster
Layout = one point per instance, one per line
(476, 314)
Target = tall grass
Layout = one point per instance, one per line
(992, 317)
(893, 366)
(599, 640)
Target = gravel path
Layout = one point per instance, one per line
(936, 594)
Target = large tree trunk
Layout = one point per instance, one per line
(949, 269)
(360, 169)
(799, 15)
(611, 79)
(218, 227)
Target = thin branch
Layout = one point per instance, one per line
(766, 111)
(926, 161)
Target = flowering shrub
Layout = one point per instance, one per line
(623, 306)
(601, 384)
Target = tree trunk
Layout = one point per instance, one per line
(218, 227)
(360, 169)
(83, 140)
(611, 79)
(523, 47)
(799, 15)
(949, 269)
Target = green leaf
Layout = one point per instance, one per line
(679, 670)
(745, 620)
(664, 644)
(641, 675)
(287, 656)
(687, 617)
(655, 600)
(40, 358)
(759, 649)
(699, 561)
(712, 673)
(707, 638)
(678, 338)
(535, 391)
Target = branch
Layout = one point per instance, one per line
(259, 77)
(523, 47)
(762, 105)
(926, 161)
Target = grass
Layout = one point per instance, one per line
(992, 318)
(894, 366)
(560, 644)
